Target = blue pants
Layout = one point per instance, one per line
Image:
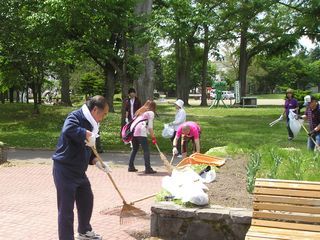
(72, 189)
(311, 145)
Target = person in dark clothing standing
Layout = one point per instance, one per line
(70, 162)
(312, 114)
(290, 103)
(132, 105)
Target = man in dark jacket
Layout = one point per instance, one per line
(70, 162)
(132, 104)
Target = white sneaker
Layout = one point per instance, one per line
(179, 156)
(89, 235)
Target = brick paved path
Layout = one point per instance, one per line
(28, 201)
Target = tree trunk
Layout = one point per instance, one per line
(17, 96)
(204, 72)
(145, 83)
(64, 74)
(2, 97)
(39, 93)
(109, 76)
(11, 90)
(27, 94)
(35, 98)
(243, 62)
(182, 78)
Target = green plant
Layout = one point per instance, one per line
(252, 169)
(277, 160)
(295, 167)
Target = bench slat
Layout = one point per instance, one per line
(305, 234)
(262, 235)
(286, 225)
(286, 181)
(297, 186)
(259, 235)
(289, 200)
(288, 217)
(286, 192)
(286, 208)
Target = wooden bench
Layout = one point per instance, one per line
(284, 209)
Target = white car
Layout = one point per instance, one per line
(227, 95)
(213, 94)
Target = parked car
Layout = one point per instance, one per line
(227, 95)
(212, 94)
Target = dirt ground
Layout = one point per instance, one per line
(229, 188)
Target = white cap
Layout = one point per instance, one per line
(307, 100)
(179, 103)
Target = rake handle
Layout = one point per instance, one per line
(141, 199)
(109, 175)
(315, 143)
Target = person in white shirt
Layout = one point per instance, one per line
(178, 120)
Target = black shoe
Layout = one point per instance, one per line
(133, 169)
(150, 171)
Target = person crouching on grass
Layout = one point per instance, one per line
(70, 163)
(187, 131)
(142, 126)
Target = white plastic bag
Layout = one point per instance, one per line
(187, 185)
(167, 131)
(191, 192)
(208, 177)
(294, 123)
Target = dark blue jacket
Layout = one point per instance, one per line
(72, 156)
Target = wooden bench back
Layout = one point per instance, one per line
(287, 204)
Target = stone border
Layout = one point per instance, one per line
(173, 222)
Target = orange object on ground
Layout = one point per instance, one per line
(198, 158)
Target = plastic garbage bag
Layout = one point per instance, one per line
(193, 194)
(187, 185)
(167, 131)
(294, 123)
(208, 177)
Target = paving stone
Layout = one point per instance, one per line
(28, 208)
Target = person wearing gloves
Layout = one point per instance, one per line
(178, 120)
(141, 127)
(132, 104)
(312, 114)
(187, 131)
(70, 162)
(290, 103)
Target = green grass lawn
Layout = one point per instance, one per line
(246, 128)
(243, 130)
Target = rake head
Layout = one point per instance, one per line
(127, 213)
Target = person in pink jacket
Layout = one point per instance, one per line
(141, 127)
(187, 131)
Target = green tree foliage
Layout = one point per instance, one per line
(91, 84)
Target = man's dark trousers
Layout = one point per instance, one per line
(72, 189)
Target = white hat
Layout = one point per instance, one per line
(179, 103)
(307, 100)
